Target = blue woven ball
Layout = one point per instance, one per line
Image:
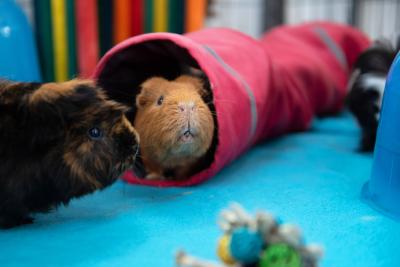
(246, 245)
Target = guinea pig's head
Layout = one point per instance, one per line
(173, 119)
(85, 136)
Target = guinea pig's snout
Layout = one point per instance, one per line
(186, 106)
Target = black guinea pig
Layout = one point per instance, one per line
(366, 87)
(58, 141)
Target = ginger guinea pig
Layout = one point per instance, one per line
(175, 126)
(58, 141)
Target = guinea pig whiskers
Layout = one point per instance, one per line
(213, 113)
(136, 152)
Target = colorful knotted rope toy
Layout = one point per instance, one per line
(259, 241)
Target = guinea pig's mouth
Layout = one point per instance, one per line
(131, 161)
(187, 136)
(127, 164)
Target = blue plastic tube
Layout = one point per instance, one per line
(383, 189)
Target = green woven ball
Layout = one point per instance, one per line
(280, 255)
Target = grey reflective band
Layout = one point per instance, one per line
(333, 47)
(253, 105)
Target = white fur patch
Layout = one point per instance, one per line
(372, 81)
(376, 81)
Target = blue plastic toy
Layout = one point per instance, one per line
(383, 189)
(18, 54)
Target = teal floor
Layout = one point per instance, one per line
(312, 179)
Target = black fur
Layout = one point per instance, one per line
(365, 102)
(46, 154)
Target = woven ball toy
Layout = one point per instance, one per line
(257, 241)
(280, 255)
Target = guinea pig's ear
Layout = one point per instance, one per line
(84, 94)
(66, 99)
(142, 99)
(196, 82)
(146, 96)
(53, 92)
(88, 95)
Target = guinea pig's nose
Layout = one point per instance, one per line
(186, 106)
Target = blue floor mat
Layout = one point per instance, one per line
(312, 179)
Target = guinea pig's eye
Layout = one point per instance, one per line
(160, 100)
(95, 133)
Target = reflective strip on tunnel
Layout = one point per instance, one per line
(333, 47)
(253, 105)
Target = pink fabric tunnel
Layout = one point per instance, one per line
(260, 88)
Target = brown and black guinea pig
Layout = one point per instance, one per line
(175, 126)
(58, 141)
